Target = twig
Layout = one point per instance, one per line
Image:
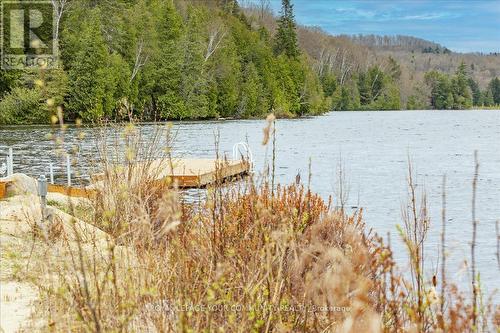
(443, 247)
(473, 245)
(497, 229)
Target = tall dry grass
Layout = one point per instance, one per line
(254, 256)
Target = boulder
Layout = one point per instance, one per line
(17, 214)
(20, 184)
(20, 214)
(60, 223)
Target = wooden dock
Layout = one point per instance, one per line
(72, 191)
(197, 173)
(181, 173)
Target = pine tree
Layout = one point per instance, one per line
(194, 81)
(494, 86)
(476, 92)
(461, 92)
(250, 92)
(88, 74)
(227, 74)
(488, 98)
(364, 88)
(286, 36)
(449, 103)
(161, 84)
(329, 82)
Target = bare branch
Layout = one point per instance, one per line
(60, 7)
(141, 59)
(216, 35)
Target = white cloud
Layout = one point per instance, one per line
(426, 16)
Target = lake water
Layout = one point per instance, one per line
(374, 149)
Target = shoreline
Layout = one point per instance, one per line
(222, 120)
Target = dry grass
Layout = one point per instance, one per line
(250, 258)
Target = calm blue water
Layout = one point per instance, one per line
(374, 148)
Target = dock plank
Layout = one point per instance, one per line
(3, 189)
(202, 172)
(75, 192)
(185, 173)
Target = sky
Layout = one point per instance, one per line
(460, 25)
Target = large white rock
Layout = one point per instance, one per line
(20, 184)
(19, 214)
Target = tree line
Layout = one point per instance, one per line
(398, 42)
(460, 91)
(166, 60)
(181, 59)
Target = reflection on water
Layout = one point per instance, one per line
(374, 148)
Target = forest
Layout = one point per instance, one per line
(179, 59)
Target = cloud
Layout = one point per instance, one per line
(355, 12)
(428, 16)
(461, 25)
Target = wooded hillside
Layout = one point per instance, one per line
(403, 62)
(183, 59)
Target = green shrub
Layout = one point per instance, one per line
(22, 106)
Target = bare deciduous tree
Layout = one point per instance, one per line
(216, 34)
(264, 9)
(60, 7)
(141, 58)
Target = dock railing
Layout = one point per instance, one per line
(7, 164)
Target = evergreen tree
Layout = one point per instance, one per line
(227, 75)
(476, 92)
(364, 87)
(329, 82)
(160, 88)
(441, 92)
(378, 90)
(141, 47)
(88, 91)
(449, 102)
(451, 92)
(194, 83)
(342, 99)
(414, 103)
(461, 91)
(286, 36)
(8, 80)
(23, 105)
(394, 69)
(488, 98)
(494, 86)
(250, 93)
(229, 6)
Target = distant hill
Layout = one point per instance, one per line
(420, 55)
(349, 56)
(398, 43)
